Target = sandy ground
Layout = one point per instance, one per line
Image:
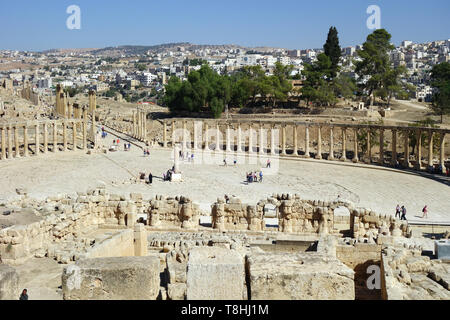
(373, 187)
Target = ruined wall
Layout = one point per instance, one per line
(365, 223)
(118, 245)
(173, 212)
(295, 215)
(407, 275)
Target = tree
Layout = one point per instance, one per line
(374, 64)
(344, 86)
(317, 88)
(440, 80)
(333, 50)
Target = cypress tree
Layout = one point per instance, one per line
(333, 50)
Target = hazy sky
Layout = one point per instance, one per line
(293, 24)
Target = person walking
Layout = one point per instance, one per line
(268, 163)
(150, 178)
(24, 295)
(403, 213)
(425, 212)
(260, 176)
(397, 211)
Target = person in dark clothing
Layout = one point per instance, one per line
(403, 213)
(24, 295)
(150, 178)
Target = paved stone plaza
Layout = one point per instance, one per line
(380, 189)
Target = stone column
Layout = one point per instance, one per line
(173, 133)
(134, 124)
(85, 123)
(418, 164)
(36, 137)
(3, 143)
(197, 134)
(45, 138)
(144, 118)
(283, 140)
(307, 151)
(261, 139)
(10, 143)
(406, 162)
(250, 139)
(239, 138)
(430, 149)
(94, 127)
(55, 136)
(295, 129)
(218, 140)
(344, 144)
(16, 141)
(394, 147)
(272, 139)
(184, 135)
(74, 126)
(165, 135)
(319, 143)
(228, 138)
(84, 133)
(381, 160)
(206, 136)
(25, 141)
(64, 135)
(442, 152)
(331, 156)
(369, 146)
(355, 144)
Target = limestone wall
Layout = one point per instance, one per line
(173, 212)
(118, 245)
(365, 223)
(407, 275)
(295, 215)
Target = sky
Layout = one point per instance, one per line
(292, 24)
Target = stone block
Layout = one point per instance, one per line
(215, 273)
(301, 276)
(442, 249)
(176, 291)
(123, 278)
(9, 283)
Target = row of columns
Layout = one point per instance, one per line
(11, 148)
(355, 131)
(140, 125)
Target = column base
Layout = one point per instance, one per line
(343, 159)
(331, 158)
(355, 160)
(318, 157)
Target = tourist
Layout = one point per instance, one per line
(260, 176)
(24, 295)
(225, 162)
(235, 162)
(227, 199)
(150, 178)
(192, 157)
(397, 211)
(425, 212)
(268, 163)
(403, 213)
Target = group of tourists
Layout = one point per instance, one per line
(146, 152)
(150, 177)
(254, 177)
(168, 175)
(401, 212)
(127, 146)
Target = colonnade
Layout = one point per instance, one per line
(23, 139)
(256, 135)
(139, 124)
